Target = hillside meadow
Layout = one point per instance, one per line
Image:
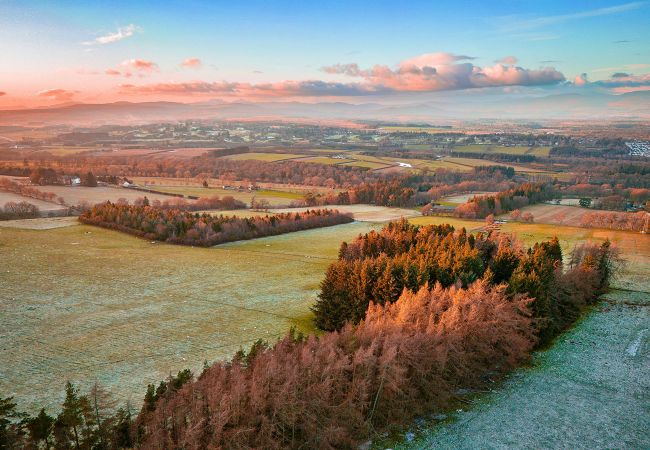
(82, 303)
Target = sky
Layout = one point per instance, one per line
(57, 52)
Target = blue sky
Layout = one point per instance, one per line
(54, 45)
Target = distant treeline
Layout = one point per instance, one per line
(419, 189)
(181, 227)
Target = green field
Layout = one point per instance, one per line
(82, 303)
(274, 197)
(502, 149)
(269, 157)
(326, 160)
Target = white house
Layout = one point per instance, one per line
(75, 181)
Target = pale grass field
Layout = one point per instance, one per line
(274, 197)
(259, 156)
(77, 194)
(514, 150)
(43, 206)
(82, 303)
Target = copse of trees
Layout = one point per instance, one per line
(44, 176)
(182, 227)
(481, 206)
(378, 266)
(19, 210)
(639, 221)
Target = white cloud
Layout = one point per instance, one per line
(120, 34)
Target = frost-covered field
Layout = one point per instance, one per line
(82, 303)
(589, 390)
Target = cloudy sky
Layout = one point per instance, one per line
(55, 52)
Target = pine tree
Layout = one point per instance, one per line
(40, 428)
(11, 424)
(71, 416)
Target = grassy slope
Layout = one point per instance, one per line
(83, 304)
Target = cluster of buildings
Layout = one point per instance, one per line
(639, 148)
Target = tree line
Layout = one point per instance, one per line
(182, 227)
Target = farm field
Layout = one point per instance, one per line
(502, 149)
(474, 162)
(82, 303)
(93, 195)
(62, 150)
(364, 213)
(462, 198)
(325, 160)
(272, 196)
(45, 207)
(357, 159)
(44, 223)
(153, 182)
(555, 214)
(268, 157)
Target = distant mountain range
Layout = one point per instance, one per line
(635, 105)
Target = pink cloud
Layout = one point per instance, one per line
(192, 63)
(2, 93)
(57, 94)
(508, 60)
(445, 71)
(127, 68)
(424, 73)
(581, 80)
(434, 59)
(141, 65)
